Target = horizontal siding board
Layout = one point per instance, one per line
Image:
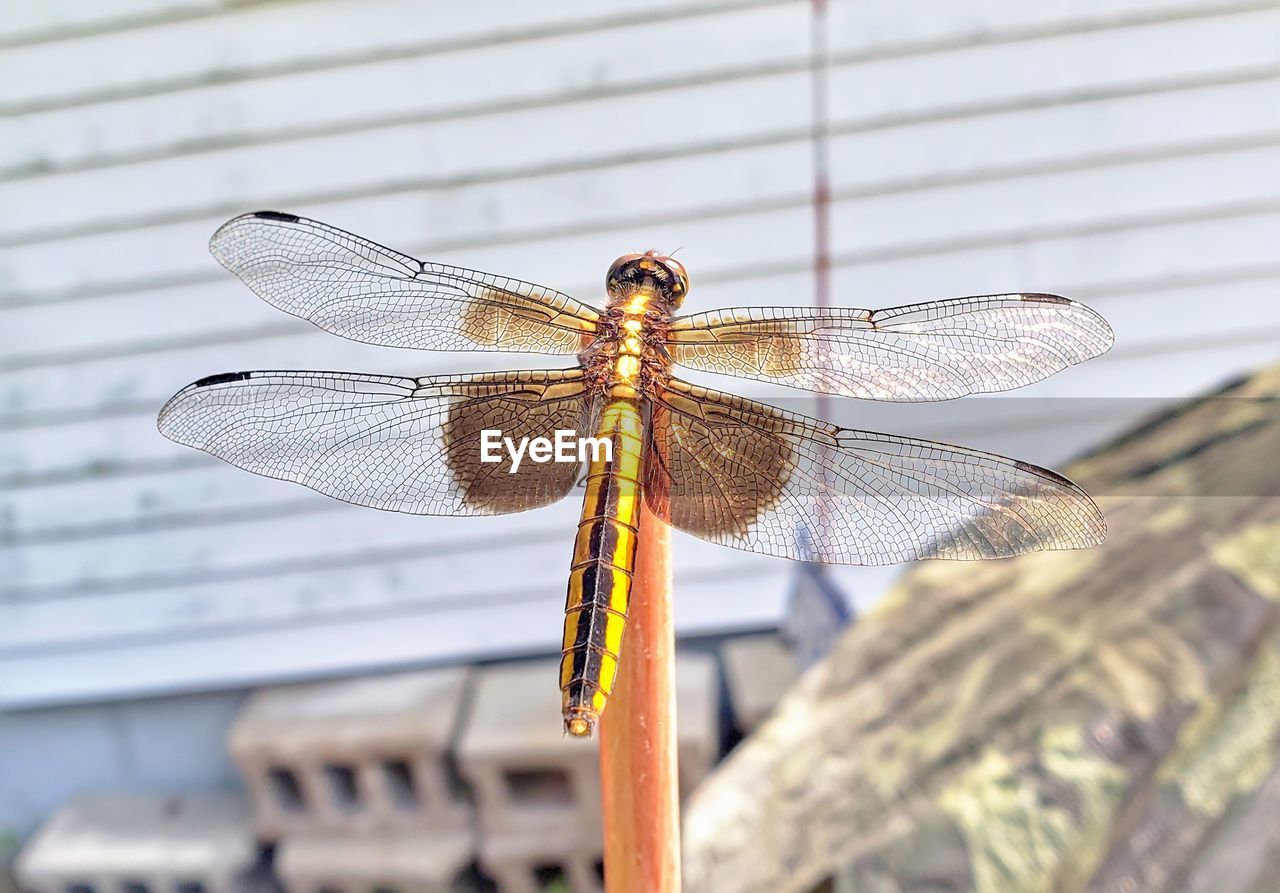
(133, 375)
(1155, 188)
(1045, 137)
(278, 652)
(457, 559)
(436, 223)
(323, 168)
(888, 159)
(262, 39)
(877, 224)
(878, 92)
(1073, 262)
(551, 70)
(169, 498)
(574, 263)
(59, 19)
(1068, 64)
(256, 42)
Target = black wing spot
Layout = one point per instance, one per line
(1047, 299)
(221, 378)
(277, 215)
(1044, 473)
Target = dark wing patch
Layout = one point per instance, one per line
(743, 474)
(402, 444)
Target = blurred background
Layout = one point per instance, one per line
(1123, 152)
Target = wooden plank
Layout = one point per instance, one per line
(100, 505)
(1064, 65)
(262, 40)
(1073, 262)
(589, 132)
(555, 69)
(129, 378)
(880, 225)
(455, 552)
(438, 222)
(716, 246)
(321, 169)
(345, 643)
(60, 19)
(1158, 189)
(256, 42)
(682, 187)
(888, 159)
(885, 28)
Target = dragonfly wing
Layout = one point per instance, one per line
(933, 351)
(360, 290)
(403, 444)
(743, 474)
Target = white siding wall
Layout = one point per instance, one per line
(1124, 152)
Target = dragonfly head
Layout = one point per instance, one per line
(666, 276)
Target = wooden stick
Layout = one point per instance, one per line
(638, 733)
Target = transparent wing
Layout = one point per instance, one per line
(403, 444)
(932, 351)
(360, 290)
(743, 474)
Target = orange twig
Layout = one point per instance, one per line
(638, 734)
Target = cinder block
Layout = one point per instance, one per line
(532, 862)
(697, 718)
(353, 756)
(524, 772)
(406, 862)
(141, 844)
(758, 671)
(528, 776)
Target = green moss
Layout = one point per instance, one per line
(1253, 555)
(1018, 842)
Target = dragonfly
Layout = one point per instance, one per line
(716, 465)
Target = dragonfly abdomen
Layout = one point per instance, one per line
(600, 580)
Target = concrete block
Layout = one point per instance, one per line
(528, 776)
(758, 671)
(353, 756)
(141, 844)
(524, 772)
(697, 718)
(406, 862)
(531, 862)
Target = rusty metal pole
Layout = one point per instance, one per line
(638, 766)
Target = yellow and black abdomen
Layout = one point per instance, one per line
(604, 555)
